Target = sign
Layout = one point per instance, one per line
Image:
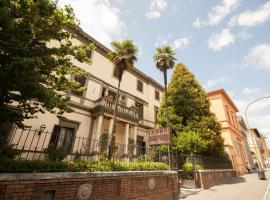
(160, 136)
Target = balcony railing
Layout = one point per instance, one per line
(107, 105)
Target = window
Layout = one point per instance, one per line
(89, 53)
(139, 85)
(82, 81)
(139, 107)
(140, 145)
(156, 113)
(116, 72)
(62, 137)
(157, 95)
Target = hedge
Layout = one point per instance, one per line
(30, 166)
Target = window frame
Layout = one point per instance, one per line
(80, 93)
(157, 94)
(138, 86)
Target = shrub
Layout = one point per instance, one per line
(144, 158)
(29, 166)
(188, 170)
(9, 152)
(55, 154)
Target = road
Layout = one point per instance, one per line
(246, 187)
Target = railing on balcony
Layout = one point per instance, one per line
(122, 110)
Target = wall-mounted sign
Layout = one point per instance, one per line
(160, 136)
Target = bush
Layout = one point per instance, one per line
(29, 166)
(188, 170)
(55, 154)
(144, 158)
(9, 152)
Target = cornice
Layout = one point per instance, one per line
(102, 49)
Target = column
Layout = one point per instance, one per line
(110, 129)
(135, 130)
(98, 131)
(110, 132)
(126, 140)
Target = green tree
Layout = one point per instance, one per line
(188, 108)
(164, 60)
(123, 57)
(33, 73)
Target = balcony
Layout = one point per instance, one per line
(106, 105)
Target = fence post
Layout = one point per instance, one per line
(193, 169)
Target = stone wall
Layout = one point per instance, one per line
(161, 185)
(209, 178)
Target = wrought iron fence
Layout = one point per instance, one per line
(33, 144)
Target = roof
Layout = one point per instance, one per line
(104, 51)
(225, 95)
(255, 130)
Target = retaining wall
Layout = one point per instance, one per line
(209, 178)
(161, 185)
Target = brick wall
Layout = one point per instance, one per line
(209, 178)
(160, 185)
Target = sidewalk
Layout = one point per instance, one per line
(246, 187)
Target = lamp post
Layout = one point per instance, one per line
(260, 172)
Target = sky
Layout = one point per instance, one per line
(224, 43)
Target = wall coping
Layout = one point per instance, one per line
(63, 175)
(215, 170)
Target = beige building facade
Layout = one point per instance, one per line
(259, 148)
(225, 111)
(91, 121)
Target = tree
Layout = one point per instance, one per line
(189, 113)
(164, 59)
(33, 73)
(123, 57)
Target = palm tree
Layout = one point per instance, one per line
(123, 57)
(164, 59)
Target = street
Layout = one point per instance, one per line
(246, 187)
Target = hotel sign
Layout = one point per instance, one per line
(160, 136)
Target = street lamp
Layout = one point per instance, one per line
(260, 172)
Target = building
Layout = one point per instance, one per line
(255, 142)
(225, 110)
(82, 130)
(245, 132)
(265, 151)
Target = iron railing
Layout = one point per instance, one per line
(33, 143)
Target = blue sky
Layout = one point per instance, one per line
(225, 43)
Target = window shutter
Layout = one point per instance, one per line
(82, 81)
(156, 95)
(140, 85)
(55, 135)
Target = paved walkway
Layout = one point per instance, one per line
(246, 187)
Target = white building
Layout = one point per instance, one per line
(91, 120)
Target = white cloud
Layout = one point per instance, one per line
(156, 7)
(244, 35)
(259, 56)
(250, 91)
(218, 41)
(218, 13)
(163, 40)
(152, 14)
(99, 18)
(252, 18)
(199, 23)
(214, 82)
(181, 43)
